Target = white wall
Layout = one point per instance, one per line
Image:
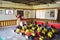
(31, 13)
(19, 5)
(3, 16)
(56, 13)
(13, 5)
(39, 13)
(42, 14)
(46, 6)
(45, 14)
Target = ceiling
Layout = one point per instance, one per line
(33, 2)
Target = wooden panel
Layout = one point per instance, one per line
(7, 23)
(45, 20)
(28, 20)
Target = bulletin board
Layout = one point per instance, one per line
(52, 13)
(27, 13)
(9, 11)
(0, 11)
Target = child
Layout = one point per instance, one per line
(27, 32)
(41, 38)
(38, 31)
(50, 34)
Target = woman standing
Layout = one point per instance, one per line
(20, 20)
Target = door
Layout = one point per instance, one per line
(20, 12)
(58, 16)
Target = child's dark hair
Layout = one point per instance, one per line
(28, 28)
(39, 25)
(52, 26)
(34, 25)
(24, 24)
(46, 23)
(20, 27)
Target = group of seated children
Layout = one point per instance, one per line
(35, 31)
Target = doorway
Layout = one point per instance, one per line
(20, 12)
(58, 16)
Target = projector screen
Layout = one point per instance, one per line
(9, 11)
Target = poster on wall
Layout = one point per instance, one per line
(47, 14)
(0, 11)
(52, 13)
(9, 11)
(27, 13)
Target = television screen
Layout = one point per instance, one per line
(9, 11)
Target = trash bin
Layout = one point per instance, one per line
(1, 38)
